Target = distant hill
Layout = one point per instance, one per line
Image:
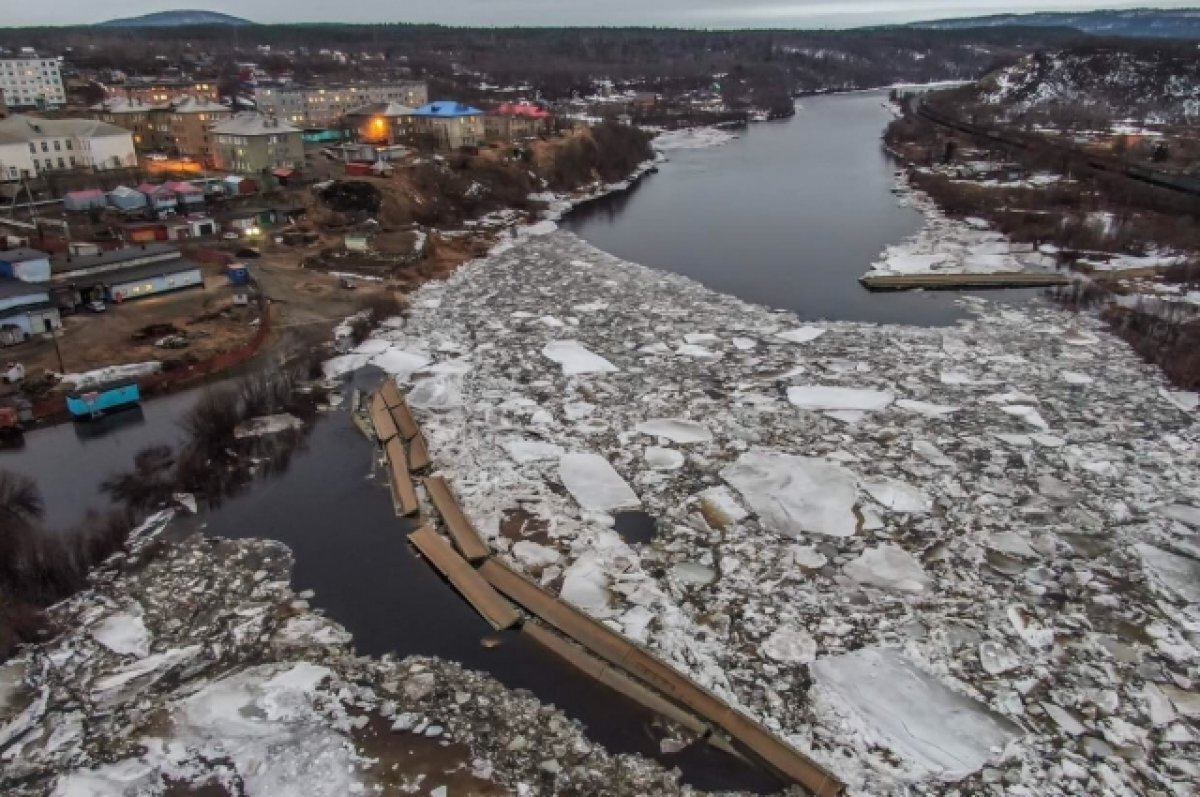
(1157, 23)
(176, 19)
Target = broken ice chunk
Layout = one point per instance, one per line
(1183, 513)
(1171, 573)
(664, 458)
(910, 712)
(677, 430)
(523, 451)
(1076, 378)
(827, 397)
(1028, 414)
(720, 508)
(807, 557)
(575, 358)
(693, 573)
(995, 658)
(801, 334)
(888, 567)
(790, 645)
(533, 555)
(1064, 719)
(793, 495)
(124, 634)
(896, 495)
(1034, 633)
(1185, 400)
(926, 408)
(585, 584)
(594, 483)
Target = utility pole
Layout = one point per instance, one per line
(62, 369)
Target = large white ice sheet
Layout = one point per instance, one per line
(793, 495)
(594, 483)
(827, 397)
(575, 359)
(894, 703)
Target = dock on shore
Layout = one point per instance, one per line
(962, 281)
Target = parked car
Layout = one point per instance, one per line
(97, 306)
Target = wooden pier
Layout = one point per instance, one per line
(461, 529)
(466, 579)
(746, 734)
(381, 418)
(402, 486)
(404, 421)
(956, 282)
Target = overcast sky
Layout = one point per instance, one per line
(678, 13)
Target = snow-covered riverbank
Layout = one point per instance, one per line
(193, 664)
(947, 245)
(921, 555)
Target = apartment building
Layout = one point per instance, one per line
(324, 106)
(252, 143)
(159, 90)
(180, 127)
(30, 81)
(30, 146)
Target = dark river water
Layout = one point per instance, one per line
(788, 215)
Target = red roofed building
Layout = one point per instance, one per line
(512, 121)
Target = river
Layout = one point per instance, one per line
(788, 215)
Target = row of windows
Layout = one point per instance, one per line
(49, 163)
(57, 146)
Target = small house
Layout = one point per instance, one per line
(85, 200)
(144, 232)
(128, 199)
(239, 186)
(160, 198)
(25, 310)
(516, 120)
(188, 195)
(26, 265)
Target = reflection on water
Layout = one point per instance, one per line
(790, 215)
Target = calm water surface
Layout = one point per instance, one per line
(789, 215)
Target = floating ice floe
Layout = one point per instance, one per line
(801, 334)
(1178, 575)
(926, 408)
(575, 359)
(664, 458)
(594, 483)
(267, 425)
(888, 566)
(793, 495)
(1185, 400)
(892, 702)
(585, 585)
(524, 451)
(692, 138)
(790, 646)
(531, 554)
(677, 430)
(995, 658)
(826, 397)
(124, 634)
(896, 495)
(1028, 414)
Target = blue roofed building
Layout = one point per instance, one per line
(447, 125)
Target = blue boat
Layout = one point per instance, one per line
(100, 399)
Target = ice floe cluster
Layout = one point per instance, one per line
(946, 245)
(192, 667)
(941, 561)
(692, 138)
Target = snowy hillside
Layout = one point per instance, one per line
(1142, 22)
(1157, 84)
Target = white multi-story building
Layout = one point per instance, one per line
(29, 81)
(314, 106)
(30, 146)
